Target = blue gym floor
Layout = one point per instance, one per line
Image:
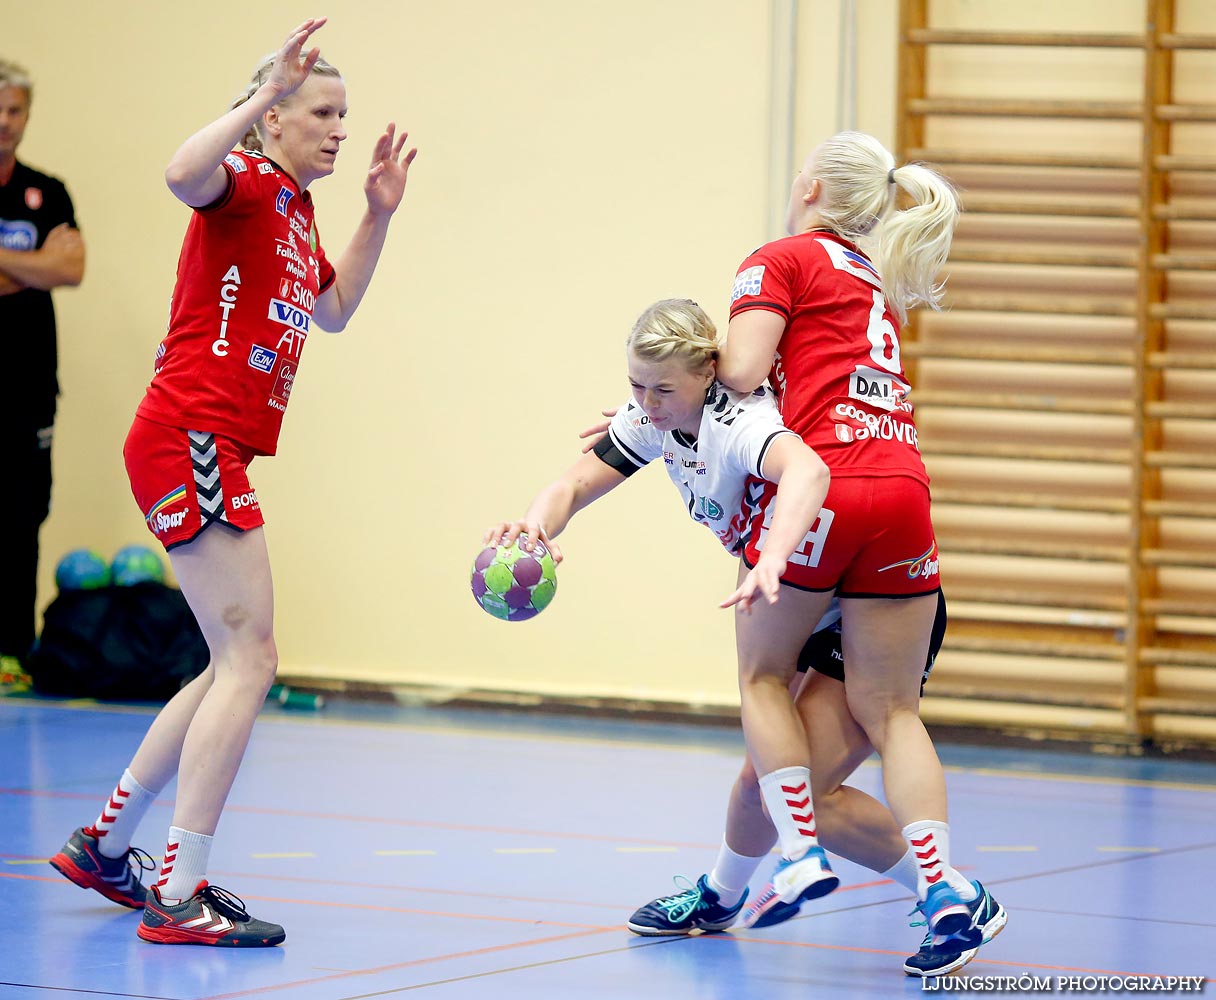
(468, 854)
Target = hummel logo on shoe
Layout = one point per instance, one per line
(212, 916)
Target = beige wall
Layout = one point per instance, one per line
(577, 162)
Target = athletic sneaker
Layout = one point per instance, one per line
(793, 881)
(694, 909)
(211, 916)
(776, 913)
(115, 878)
(950, 955)
(947, 914)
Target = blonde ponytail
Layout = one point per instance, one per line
(860, 181)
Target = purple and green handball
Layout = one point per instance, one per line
(513, 584)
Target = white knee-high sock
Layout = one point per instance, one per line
(731, 873)
(905, 871)
(120, 816)
(184, 864)
(787, 796)
(929, 841)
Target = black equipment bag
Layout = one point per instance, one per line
(136, 643)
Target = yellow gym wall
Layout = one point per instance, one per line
(578, 161)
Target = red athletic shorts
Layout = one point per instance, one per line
(873, 538)
(185, 480)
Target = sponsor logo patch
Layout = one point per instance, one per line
(265, 168)
(18, 234)
(283, 382)
(844, 259)
(158, 520)
(922, 566)
(280, 203)
(748, 282)
(879, 389)
(289, 315)
(262, 358)
(236, 163)
(249, 499)
(856, 423)
(33, 199)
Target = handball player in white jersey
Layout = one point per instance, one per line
(722, 449)
(252, 280)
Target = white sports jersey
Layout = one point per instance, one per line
(716, 472)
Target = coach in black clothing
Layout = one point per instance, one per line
(40, 249)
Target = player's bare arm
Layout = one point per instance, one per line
(746, 357)
(195, 174)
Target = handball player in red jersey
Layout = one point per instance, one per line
(252, 281)
(818, 313)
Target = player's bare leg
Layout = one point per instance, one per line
(768, 640)
(226, 579)
(885, 643)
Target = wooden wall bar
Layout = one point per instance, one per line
(1067, 396)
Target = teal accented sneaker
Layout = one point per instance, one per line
(696, 908)
(988, 917)
(947, 914)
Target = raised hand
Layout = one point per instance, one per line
(288, 73)
(385, 183)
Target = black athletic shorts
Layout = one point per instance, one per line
(822, 650)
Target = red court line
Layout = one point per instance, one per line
(385, 821)
(59, 880)
(389, 887)
(584, 930)
(463, 892)
(408, 965)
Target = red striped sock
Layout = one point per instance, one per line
(787, 795)
(119, 817)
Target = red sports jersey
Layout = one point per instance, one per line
(839, 381)
(249, 274)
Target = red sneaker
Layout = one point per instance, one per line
(211, 916)
(114, 878)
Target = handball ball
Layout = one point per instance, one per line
(82, 569)
(136, 564)
(513, 584)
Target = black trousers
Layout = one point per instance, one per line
(25, 501)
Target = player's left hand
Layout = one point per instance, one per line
(763, 579)
(385, 183)
(597, 431)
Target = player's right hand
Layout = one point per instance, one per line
(506, 532)
(288, 73)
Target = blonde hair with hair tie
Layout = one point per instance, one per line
(675, 328)
(860, 181)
